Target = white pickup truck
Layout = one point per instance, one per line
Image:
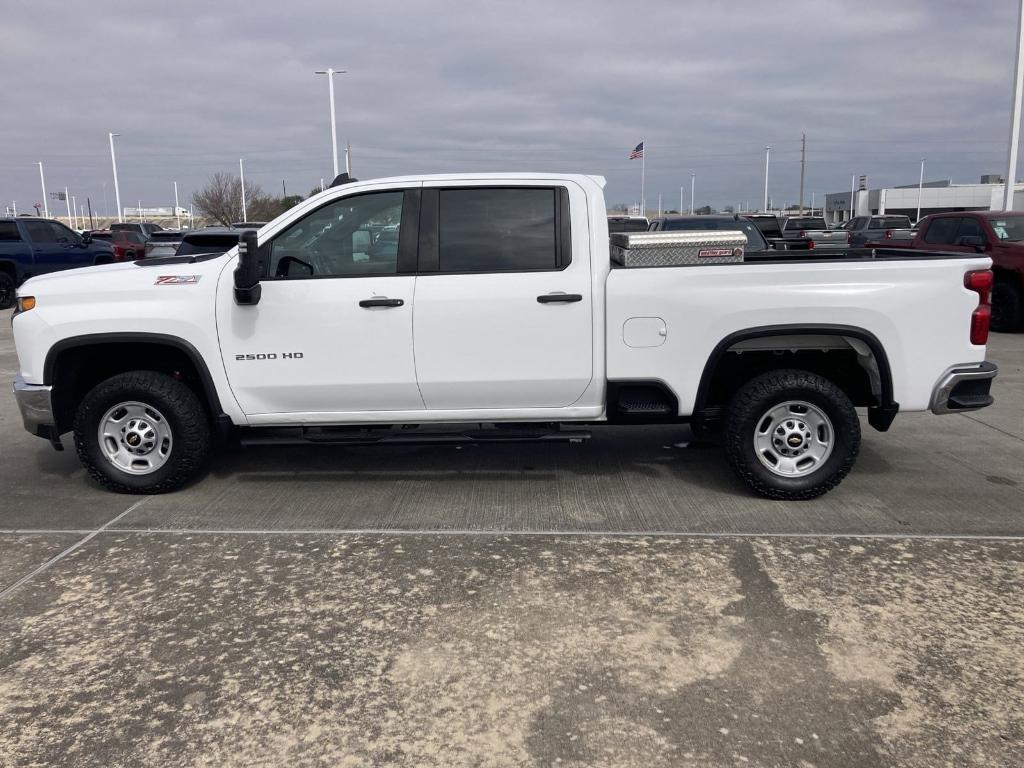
(486, 307)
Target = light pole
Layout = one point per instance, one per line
(74, 207)
(334, 128)
(241, 173)
(693, 187)
(853, 187)
(767, 159)
(680, 199)
(920, 187)
(177, 215)
(113, 164)
(1018, 92)
(67, 202)
(42, 182)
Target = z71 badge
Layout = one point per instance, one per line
(177, 280)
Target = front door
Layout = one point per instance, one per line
(55, 246)
(332, 332)
(504, 311)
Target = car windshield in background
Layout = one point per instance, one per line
(192, 246)
(1008, 227)
(809, 223)
(627, 225)
(755, 242)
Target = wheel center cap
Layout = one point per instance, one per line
(133, 439)
(795, 441)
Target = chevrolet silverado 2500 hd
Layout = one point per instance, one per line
(487, 307)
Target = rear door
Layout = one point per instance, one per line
(503, 316)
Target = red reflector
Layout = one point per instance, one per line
(980, 320)
(803, 233)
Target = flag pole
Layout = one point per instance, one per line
(643, 178)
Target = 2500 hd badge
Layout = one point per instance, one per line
(271, 356)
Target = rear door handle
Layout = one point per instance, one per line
(367, 303)
(559, 298)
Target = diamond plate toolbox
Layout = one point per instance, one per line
(677, 249)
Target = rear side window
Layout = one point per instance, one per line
(942, 231)
(497, 230)
(9, 232)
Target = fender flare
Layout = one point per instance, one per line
(209, 388)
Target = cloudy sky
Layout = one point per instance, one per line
(526, 85)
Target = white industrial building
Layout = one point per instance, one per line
(935, 197)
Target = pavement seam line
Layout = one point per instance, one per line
(991, 426)
(596, 534)
(77, 545)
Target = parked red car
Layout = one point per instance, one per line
(128, 245)
(998, 234)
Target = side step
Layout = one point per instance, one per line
(406, 436)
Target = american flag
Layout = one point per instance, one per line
(638, 152)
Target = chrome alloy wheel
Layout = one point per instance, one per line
(793, 439)
(135, 438)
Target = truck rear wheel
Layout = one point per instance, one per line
(8, 290)
(791, 434)
(142, 432)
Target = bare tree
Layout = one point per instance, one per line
(221, 199)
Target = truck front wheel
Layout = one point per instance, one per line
(791, 434)
(8, 290)
(142, 432)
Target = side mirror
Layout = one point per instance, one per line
(252, 266)
(86, 238)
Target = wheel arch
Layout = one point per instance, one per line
(161, 352)
(880, 414)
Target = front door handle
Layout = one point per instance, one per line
(367, 303)
(559, 298)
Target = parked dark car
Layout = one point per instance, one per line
(997, 234)
(757, 246)
(627, 224)
(144, 228)
(767, 223)
(215, 240)
(33, 246)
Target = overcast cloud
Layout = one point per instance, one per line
(526, 85)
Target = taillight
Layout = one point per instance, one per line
(849, 238)
(803, 233)
(980, 281)
(888, 234)
(810, 245)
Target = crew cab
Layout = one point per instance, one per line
(879, 231)
(996, 234)
(811, 233)
(34, 246)
(489, 307)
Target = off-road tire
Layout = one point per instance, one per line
(183, 411)
(760, 394)
(1007, 307)
(8, 290)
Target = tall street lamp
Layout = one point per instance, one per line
(42, 182)
(920, 187)
(1018, 92)
(113, 164)
(767, 159)
(334, 129)
(693, 186)
(241, 173)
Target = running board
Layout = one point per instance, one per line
(356, 436)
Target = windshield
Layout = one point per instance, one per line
(1009, 228)
(755, 242)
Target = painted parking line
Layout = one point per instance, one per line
(81, 542)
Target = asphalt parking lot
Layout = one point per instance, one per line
(620, 602)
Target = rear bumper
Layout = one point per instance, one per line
(964, 388)
(36, 407)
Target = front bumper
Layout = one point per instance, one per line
(964, 388)
(36, 407)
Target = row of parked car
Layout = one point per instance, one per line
(997, 234)
(31, 245)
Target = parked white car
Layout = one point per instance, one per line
(490, 301)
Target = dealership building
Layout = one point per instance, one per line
(935, 197)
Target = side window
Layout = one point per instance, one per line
(352, 236)
(9, 232)
(942, 231)
(63, 234)
(41, 232)
(969, 228)
(496, 230)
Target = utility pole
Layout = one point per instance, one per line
(88, 203)
(1018, 92)
(920, 188)
(853, 188)
(42, 182)
(693, 187)
(117, 189)
(177, 213)
(803, 163)
(334, 129)
(241, 173)
(767, 160)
